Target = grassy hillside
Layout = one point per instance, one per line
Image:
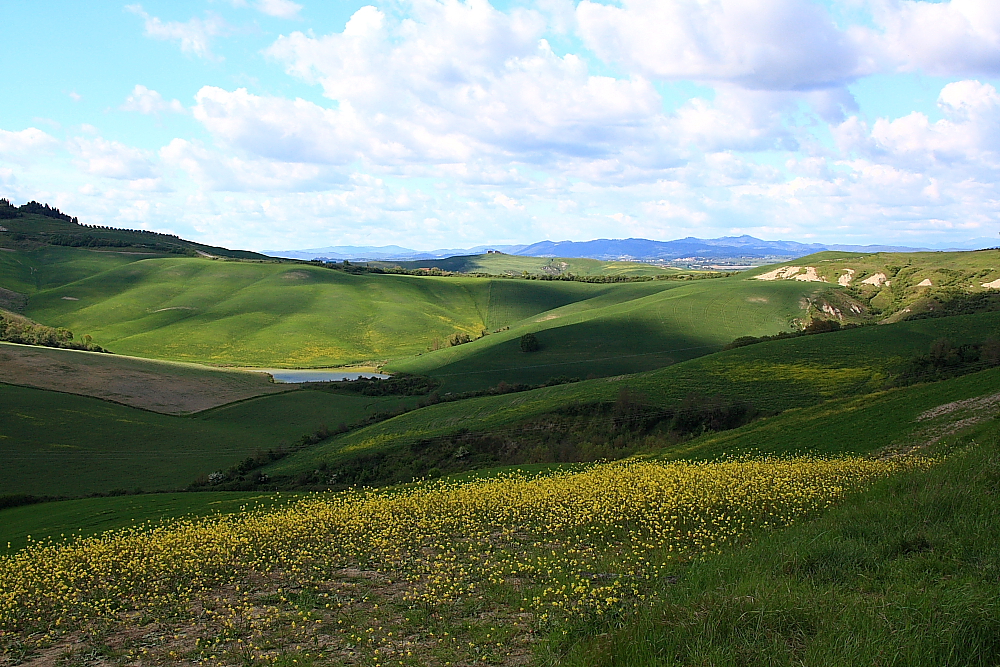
(32, 230)
(92, 516)
(773, 376)
(61, 444)
(628, 329)
(298, 315)
(903, 574)
(894, 285)
(32, 270)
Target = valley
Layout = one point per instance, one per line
(561, 444)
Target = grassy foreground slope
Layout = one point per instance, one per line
(773, 376)
(903, 574)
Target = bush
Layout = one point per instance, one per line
(529, 343)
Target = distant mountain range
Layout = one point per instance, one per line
(724, 248)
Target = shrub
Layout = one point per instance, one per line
(529, 343)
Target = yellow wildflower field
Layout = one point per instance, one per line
(432, 573)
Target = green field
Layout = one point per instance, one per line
(65, 445)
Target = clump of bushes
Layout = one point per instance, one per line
(946, 360)
(814, 327)
(19, 329)
(529, 343)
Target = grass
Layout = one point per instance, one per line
(773, 376)
(91, 516)
(273, 314)
(904, 574)
(904, 290)
(66, 445)
(626, 329)
(28, 271)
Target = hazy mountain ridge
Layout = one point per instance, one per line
(726, 247)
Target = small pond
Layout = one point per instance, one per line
(316, 374)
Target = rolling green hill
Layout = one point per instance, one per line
(627, 329)
(31, 230)
(774, 376)
(299, 315)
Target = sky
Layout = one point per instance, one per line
(282, 124)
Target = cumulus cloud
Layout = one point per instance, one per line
(966, 141)
(194, 35)
(956, 38)
(759, 44)
(150, 102)
(215, 171)
(25, 143)
(455, 79)
(112, 159)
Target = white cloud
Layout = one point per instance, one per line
(150, 102)
(459, 79)
(956, 38)
(760, 44)
(966, 141)
(25, 143)
(283, 9)
(112, 159)
(212, 171)
(194, 35)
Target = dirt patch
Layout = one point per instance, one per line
(877, 280)
(165, 387)
(160, 310)
(757, 299)
(13, 301)
(810, 276)
(547, 318)
(926, 282)
(295, 275)
(845, 280)
(992, 285)
(70, 298)
(783, 273)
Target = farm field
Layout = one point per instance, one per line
(159, 386)
(773, 497)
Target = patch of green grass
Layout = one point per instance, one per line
(47, 267)
(66, 445)
(92, 516)
(903, 574)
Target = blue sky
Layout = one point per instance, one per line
(275, 124)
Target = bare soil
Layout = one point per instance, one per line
(161, 386)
